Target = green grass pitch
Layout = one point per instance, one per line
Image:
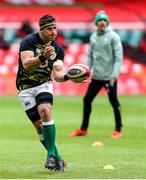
(22, 156)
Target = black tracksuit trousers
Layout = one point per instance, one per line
(93, 89)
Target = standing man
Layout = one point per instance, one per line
(105, 57)
(39, 57)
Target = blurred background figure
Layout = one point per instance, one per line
(25, 29)
(4, 44)
(104, 58)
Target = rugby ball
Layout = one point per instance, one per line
(78, 73)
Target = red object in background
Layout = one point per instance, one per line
(143, 43)
(123, 11)
(64, 2)
(62, 40)
(132, 78)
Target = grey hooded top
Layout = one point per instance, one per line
(105, 54)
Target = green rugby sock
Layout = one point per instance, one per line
(57, 155)
(49, 133)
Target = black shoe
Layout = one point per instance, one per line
(50, 162)
(60, 166)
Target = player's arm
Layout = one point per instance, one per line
(30, 62)
(27, 49)
(118, 55)
(58, 72)
(90, 54)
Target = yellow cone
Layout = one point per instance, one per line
(110, 167)
(97, 143)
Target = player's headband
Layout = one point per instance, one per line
(48, 24)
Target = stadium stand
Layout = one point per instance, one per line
(76, 24)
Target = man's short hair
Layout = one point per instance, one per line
(46, 21)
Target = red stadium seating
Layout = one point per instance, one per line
(132, 78)
(126, 14)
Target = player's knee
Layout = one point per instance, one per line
(44, 111)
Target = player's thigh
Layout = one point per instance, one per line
(44, 94)
(93, 89)
(27, 98)
(28, 101)
(44, 88)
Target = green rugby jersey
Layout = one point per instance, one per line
(27, 79)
